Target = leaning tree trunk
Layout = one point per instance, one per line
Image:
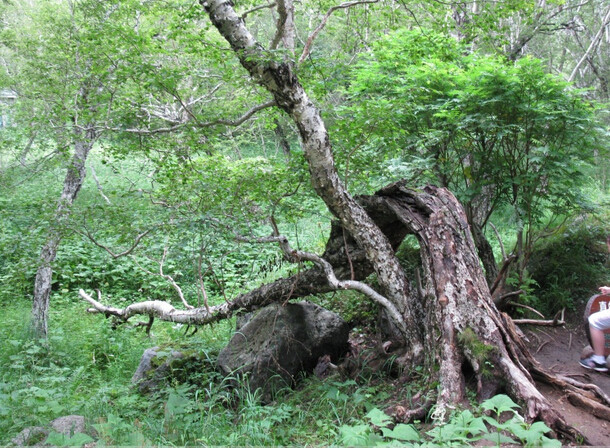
(456, 303)
(451, 317)
(75, 176)
(281, 81)
(464, 330)
(463, 325)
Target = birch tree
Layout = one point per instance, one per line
(64, 75)
(447, 321)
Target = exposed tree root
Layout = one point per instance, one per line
(593, 406)
(460, 325)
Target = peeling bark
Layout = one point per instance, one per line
(75, 176)
(451, 319)
(280, 80)
(455, 301)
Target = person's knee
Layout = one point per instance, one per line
(596, 322)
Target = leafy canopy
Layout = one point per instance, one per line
(422, 107)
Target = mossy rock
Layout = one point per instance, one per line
(163, 366)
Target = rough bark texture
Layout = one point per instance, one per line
(456, 300)
(75, 176)
(464, 330)
(451, 319)
(280, 80)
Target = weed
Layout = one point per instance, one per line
(463, 428)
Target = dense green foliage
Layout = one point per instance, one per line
(423, 108)
(90, 376)
(566, 266)
(513, 141)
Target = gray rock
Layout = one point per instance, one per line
(281, 342)
(145, 365)
(243, 319)
(68, 425)
(30, 436)
(154, 369)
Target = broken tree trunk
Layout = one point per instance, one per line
(464, 330)
(453, 325)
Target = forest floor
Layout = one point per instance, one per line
(559, 349)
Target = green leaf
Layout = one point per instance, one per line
(500, 403)
(402, 432)
(357, 435)
(378, 418)
(78, 439)
(498, 438)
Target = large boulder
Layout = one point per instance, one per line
(280, 342)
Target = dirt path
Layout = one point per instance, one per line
(559, 349)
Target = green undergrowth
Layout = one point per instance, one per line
(500, 424)
(86, 366)
(567, 268)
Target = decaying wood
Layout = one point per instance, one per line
(447, 321)
(594, 407)
(450, 308)
(348, 262)
(521, 305)
(557, 321)
(542, 323)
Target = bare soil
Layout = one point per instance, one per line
(559, 349)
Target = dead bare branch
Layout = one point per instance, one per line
(99, 186)
(594, 42)
(167, 277)
(557, 321)
(525, 306)
(258, 8)
(219, 122)
(159, 309)
(544, 323)
(508, 295)
(336, 284)
(322, 24)
(137, 240)
(499, 240)
(502, 274)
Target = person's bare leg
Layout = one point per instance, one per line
(598, 341)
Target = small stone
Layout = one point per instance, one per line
(30, 436)
(69, 425)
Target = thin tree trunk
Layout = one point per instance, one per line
(75, 176)
(281, 137)
(594, 42)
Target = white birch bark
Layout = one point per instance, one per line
(75, 176)
(280, 80)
